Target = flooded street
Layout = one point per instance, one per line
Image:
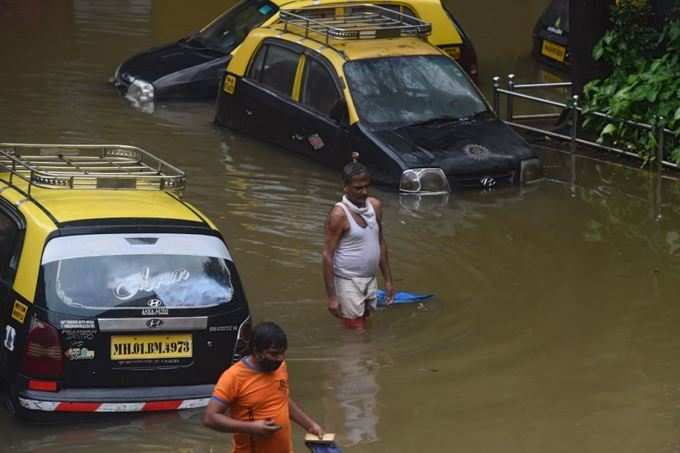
(554, 322)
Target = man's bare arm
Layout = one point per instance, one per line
(302, 419)
(336, 225)
(384, 254)
(215, 417)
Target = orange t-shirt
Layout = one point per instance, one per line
(254, 395)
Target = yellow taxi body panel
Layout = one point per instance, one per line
(341, 52)
(38, 227)
(69, 205)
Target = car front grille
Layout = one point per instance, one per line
(477, 180)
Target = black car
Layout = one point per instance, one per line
(551, 35)
(410, 110)
(192, 67)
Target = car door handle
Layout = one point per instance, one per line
(297, 137)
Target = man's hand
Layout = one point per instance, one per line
(264, 428)
(389, 293)
(334, 307)
(315, 429)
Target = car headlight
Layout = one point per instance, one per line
(530, 171)
(140, 92)
(424, 181)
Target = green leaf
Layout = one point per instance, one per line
(609, 129)
(677, 114)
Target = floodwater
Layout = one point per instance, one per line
(554, 322)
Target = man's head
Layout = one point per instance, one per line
(268, 346)
(356, 179)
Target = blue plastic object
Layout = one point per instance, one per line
(324, 448)
(403, 297)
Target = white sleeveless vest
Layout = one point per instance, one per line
(358, 251)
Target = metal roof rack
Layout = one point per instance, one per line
(355, 21)
(88, 167)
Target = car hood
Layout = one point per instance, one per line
(458, 148)
(158, 62)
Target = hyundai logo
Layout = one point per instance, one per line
(153, 323)
(154, 303)
(487, 182)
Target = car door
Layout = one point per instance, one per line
(320, 122)
(265, 94)
(11, 238)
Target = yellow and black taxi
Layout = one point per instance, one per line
(115, 294)
(329, 81)
(191, 68)
(551, 35)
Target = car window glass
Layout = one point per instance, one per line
(399, 91)
(319, 91)
(228, 30)
(278, 72)
(9, 232)
(103, 272)
(256, 67)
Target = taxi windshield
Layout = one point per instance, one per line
(116, 271)
(228, 30)
(394, 92)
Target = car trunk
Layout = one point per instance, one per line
(125, 349)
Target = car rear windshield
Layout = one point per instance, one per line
(116, 271)
(228, 30)
(393, 92)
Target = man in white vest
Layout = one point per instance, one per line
(354, 250)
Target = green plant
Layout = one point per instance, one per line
(644, 83)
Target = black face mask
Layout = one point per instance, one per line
(268, 365)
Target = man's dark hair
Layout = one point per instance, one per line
(353, 169)
(268, 335)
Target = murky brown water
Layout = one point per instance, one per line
(554, 326)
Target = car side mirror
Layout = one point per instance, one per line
(339, 112)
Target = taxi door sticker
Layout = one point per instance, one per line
(230, 84)
(10, 335)
(19, 311)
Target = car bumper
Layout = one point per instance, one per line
(135, 399)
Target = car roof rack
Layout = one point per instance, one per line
(355, 21)
(52, 166)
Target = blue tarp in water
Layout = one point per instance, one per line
(324, 448)
(403, 297)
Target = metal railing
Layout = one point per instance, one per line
(516, 90)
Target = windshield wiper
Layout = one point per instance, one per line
(433, 121)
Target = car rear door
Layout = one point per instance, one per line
(320, 119)
(11, 239)
(265, 94)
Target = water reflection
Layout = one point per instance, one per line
(353, 386)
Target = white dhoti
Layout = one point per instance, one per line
(356, 296)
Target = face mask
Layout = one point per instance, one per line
(268, 365)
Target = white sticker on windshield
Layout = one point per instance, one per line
(127, 288)
(10, 335)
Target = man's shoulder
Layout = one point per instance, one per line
(337, 215)
(377, 204)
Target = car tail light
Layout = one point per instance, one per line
(43, 386)
(242, 347)
(42, 356)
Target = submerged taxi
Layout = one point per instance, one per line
(191, 68)
(326, 81)
(115, 294)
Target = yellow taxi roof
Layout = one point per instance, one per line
(68, 205)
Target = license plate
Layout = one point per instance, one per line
(554, 51)
(139, 347)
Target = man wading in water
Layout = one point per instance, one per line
(354, 249)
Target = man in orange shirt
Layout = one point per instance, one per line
(251, 398)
